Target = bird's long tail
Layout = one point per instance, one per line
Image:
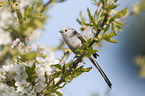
(100, 70)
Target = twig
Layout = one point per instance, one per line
(88, 27)
(85, 31)
(46, 5)
(99, 30)
(66, 55)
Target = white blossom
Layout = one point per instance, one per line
(17, 41)
(21, 85)
(24, 3)
(21, 76)
(35, 35)
(8, 67)
(5, 37)
(25, 81)
(29, 63)
(2, 74)
(18, 70)
(7, 17)
(32, 93)
(10, 92)
(3, 87)
(40, 69)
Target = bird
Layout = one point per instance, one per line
(74, 41)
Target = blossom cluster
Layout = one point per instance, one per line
(7, 17)
(25, 69)
(26, 77)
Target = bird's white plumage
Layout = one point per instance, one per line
(71, 39)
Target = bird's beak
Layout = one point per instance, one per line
(61, 31)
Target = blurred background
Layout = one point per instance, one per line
(117, 60)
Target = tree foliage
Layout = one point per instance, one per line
(28, 70)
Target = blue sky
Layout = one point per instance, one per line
(118, 68)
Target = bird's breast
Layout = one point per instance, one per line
(73, 43)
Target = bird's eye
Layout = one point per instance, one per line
(65, 30)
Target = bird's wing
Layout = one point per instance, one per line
(84, 40)
(80, 37)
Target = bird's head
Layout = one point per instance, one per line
(69, 32)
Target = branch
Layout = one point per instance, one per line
(45, 5)
(99, 30)
(75, 63)
(66, 55)
(78, 60)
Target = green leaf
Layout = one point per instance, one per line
(29, 56)
(70, 78)
(94, 1)
(56, 75)
(28, 70)
(82, 19)
(114, 28)
(69, 64)
(63, 70)
(2, 3)
(82, 22)
(104, 2)
(111, 40)
(91, 18)
(87, 24)
(89, 41)
(112, 6)
(108, 37)
(28, 10)
(14, 32)
(46, 77)
(88, 69)
(33, 66)
(120, 14)
(119, 27)
(58, 93)
(99, 14)
(115, 1)
(79, 21)
(57, 66)
(60, 0)
(19, 15)
(31, 8)
(82, 39)
(119, 23)
(107, 28)
(38, 23)
(80, 69)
